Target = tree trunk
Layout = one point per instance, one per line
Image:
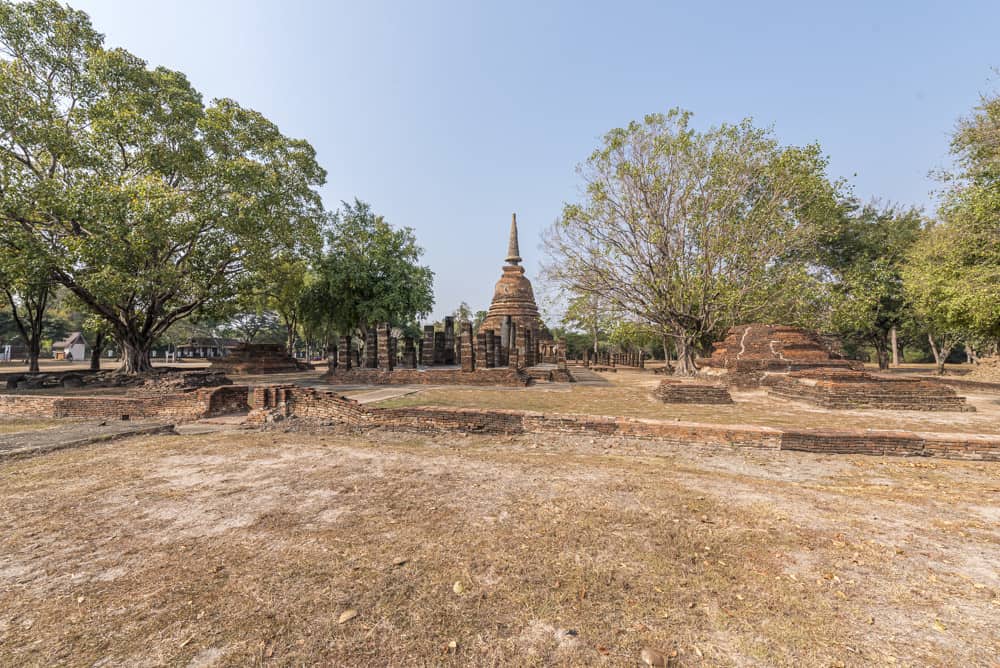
(882, 352)
(940, 354)
(135, 355)
(685, 356)
(34, 352)
(30, 323)
(895, 347)
(97, 351)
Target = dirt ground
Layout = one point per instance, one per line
(247, 548)
(630, 393)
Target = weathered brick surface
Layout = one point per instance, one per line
(183, 406)
(467, 349)
(846, 389)
(750, 354)
(254, 358)
(430, 376)
(674, 391)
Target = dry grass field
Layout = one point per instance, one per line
(248, 548)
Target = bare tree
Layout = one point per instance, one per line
(688, 231)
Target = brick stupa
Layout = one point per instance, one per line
(751, 353)
(513, 295)
(258, 358)
(797, 364)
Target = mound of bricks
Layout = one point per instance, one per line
(846, 389)
(253, 358)
(674, 391)
(749, 353)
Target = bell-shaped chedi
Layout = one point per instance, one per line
(513, 296)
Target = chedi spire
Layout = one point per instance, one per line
(513, 252)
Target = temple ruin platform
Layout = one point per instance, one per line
(849, 389)
(259, 358)
(750, 353)
(676, 391)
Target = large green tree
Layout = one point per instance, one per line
(370, 272)
(953, 272)
(689, 230)
(148, 204)
(862, 252)
(27, 287)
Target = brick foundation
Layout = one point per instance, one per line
(845, 389)
(673, 391)
(184, 406)
(504, 376)
(308, 403)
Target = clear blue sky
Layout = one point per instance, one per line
(447, 117)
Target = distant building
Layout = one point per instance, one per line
(73, 347)
(206, 347)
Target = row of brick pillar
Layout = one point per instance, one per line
(484, 350)
(606, 358)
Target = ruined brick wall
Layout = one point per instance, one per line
(847, 389)
(673, 391)
(309, 403)
(183, 406)
(502, 376)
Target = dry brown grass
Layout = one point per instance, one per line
(13, 425)
(629, 393)
(244, 548)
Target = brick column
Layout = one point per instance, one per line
(499, 354)
(523, 346)
(468, 358)
(480, 359)
(439, 347)
(384, 334)
(344, 353)
(409, 353)
(513, 356)
(491, 349)
(449, 340)
(427, 347)
(371, 349)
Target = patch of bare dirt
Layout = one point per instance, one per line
(236, 548)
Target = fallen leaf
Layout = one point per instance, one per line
(347, 615)
(652, 657)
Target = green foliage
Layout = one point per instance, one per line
(147, 204)
(952, 274)
(687, 230)
(369, 273)
(862, 252)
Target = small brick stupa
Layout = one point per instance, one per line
(750, 353)
(513, 296)
(796, 364)
(254, 358)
